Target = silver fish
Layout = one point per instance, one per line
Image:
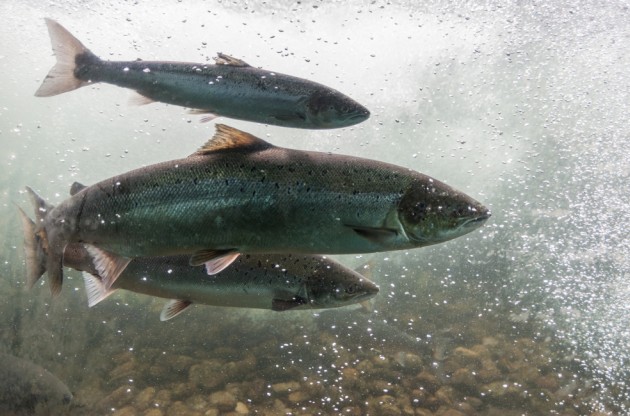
(278, 282)
(231, 88)
(28, 389)
(240, 194)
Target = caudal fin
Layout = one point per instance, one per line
(51, 252)
(67, 48)
(35, 256)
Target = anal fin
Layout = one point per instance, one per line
(95, 289)
(108, 265)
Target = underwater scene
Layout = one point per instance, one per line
(314, 208)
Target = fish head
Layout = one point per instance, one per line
(431, 212)
(330, 109)
(335, 288)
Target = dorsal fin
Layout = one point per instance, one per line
(224, 59)
(229, 138)
(76, 188)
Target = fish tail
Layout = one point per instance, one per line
(33, 250)
(69, 51)
(43, 254)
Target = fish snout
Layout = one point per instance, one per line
(482, 215)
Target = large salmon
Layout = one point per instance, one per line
(240, 194)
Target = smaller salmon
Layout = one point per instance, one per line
(277, 282)
(231, 88)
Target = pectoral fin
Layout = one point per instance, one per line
(280, 305)
(290, 117)
(108, 265)
(215, 260)
(173, 308)
(376, 235)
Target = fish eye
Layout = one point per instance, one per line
(460, 211)
(351, 289)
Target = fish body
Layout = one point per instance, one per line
(277, 282)
(231, 88)
(28, 389)
(240, 194)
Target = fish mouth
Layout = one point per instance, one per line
(479, 220)
(359, 115)
(370, 291)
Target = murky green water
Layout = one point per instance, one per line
(522, 106)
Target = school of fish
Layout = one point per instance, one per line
(240, 222)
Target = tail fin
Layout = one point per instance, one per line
(51, 253)
(67, 48)
(35, 256)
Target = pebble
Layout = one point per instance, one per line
(489, 374)
(285, 388)
(298, 397)
(241, 408)
(207, 374)
(428, 381)
(197, 402)
(223, 400)
(144, 399)
(465, 378)
(445, 395)
(162, 398)
(383, 405)
(125, 411)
